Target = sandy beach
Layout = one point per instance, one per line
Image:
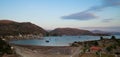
(45, 51)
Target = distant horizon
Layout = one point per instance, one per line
(50, 14)
(105, 29)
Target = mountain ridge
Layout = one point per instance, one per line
(106, 32)
(8, 27)
(69, 31)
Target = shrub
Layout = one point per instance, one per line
(113, 37)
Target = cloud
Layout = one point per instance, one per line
(112, 28)
(109, 3)
(104, 4)
(107, 20)
(81, 16)
(89, 13)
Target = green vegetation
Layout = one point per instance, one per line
(75, 44)
(95, 43)
(101, 38)
(5, 48)
(106, 55)
(113, 37)
(109, 47)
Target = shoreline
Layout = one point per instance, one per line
(62, 51)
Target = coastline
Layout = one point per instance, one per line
(52, 51)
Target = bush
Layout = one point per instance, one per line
(75, 45)
(4, 48)
(101, 38)
(95, 43)
(113, 37)
(109, 49)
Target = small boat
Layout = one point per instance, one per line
(47, 41)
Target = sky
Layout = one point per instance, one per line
(51, 14)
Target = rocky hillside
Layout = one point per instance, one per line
(8, 27)
(69, 31)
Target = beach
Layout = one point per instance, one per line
(45, 51)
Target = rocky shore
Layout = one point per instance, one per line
(22, 37)
(104, 46)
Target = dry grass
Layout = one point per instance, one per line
(89, 55)
(94, 55)
(106, 55)
(12, 55)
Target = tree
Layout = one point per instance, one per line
(95, 43)
(4, 48)
(98, 53)
(113, 37)
(101, 38)
(109, 48)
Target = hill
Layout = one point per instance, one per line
(106, 32)
(69, 31)
(8, 27)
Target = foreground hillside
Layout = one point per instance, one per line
(8, 27)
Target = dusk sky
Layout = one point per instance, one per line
(51, 14)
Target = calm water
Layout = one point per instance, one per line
(59, 41)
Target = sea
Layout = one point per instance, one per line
(59, 40)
